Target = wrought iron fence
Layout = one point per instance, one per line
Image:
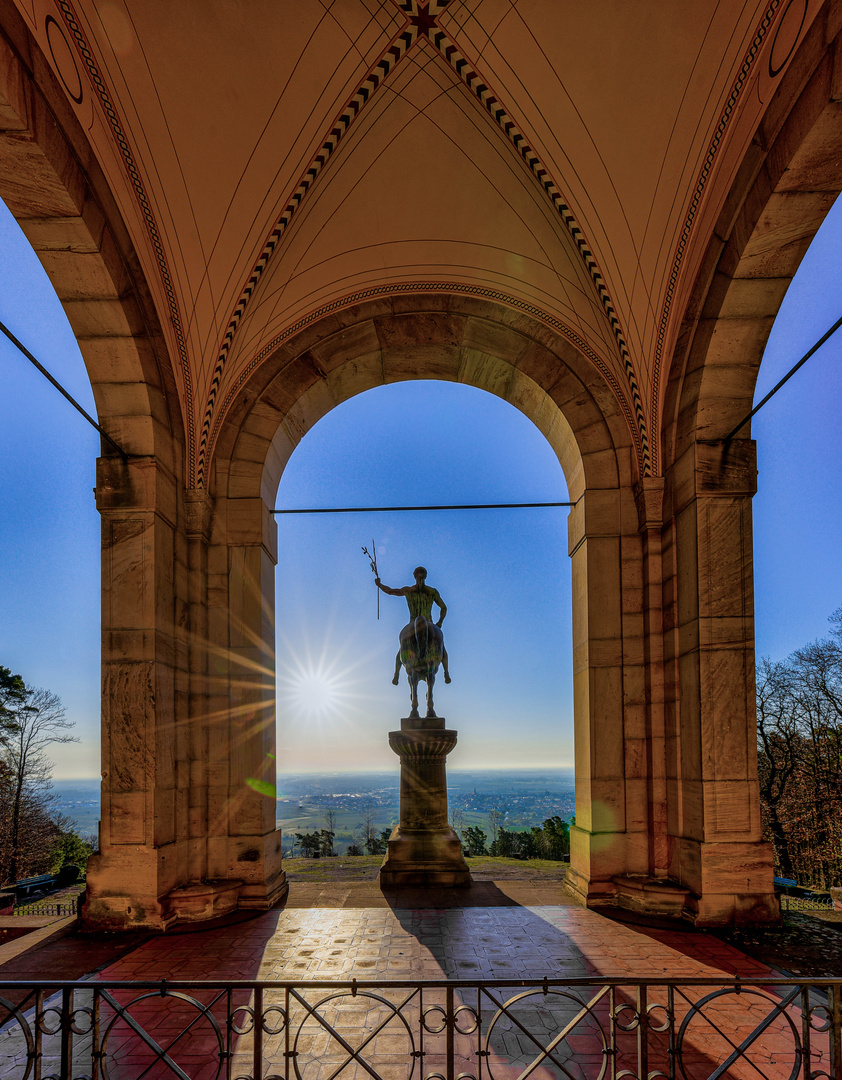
(581, 1029)
(36, 908)
(806, 903)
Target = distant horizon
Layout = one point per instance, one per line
(365, 772)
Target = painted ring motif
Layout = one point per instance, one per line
(63, 59)
(787, 34)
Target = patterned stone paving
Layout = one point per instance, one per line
(355, 1034)
(461, 943)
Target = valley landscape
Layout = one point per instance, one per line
(522, 798)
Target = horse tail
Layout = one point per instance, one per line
(421, 636)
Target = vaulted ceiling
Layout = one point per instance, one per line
(275, 158)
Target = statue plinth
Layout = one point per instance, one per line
(423, 849)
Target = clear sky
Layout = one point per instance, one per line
(504, 575)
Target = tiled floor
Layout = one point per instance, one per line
(468, 943)
(322, 1032)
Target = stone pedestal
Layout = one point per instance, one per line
(423, 848)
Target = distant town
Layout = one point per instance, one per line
(511, 799)
(515, 799)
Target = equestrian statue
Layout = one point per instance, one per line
(421, 640)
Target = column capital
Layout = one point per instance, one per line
(714, 469)
(141, 484)
(198, 506)
(246, 522)
(726, 469)
(649, 499)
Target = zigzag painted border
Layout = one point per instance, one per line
(396, 50)
(101, 89)
(393, 54)
(496, 111)
(430, 287)
(693, 207)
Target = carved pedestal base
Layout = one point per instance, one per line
(423, 849)
(203, 900)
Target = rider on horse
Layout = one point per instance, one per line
(422, 642)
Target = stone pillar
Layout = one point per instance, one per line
(199, 514)
(142, 845)
(607, 840)
(423, 848)
(714, 824)
(245, 840)
(188, 801)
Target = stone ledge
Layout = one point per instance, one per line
(48, 929)
(272, 898)
(650, 896)
(202, 900)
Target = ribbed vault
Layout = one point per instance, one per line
(270, 160)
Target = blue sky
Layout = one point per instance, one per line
(504, 575)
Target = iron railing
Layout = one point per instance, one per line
(36, 908)
(806, 903)
(581, 1029)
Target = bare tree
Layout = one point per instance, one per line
(370, 834)
(799, 732)
(495, 818)
(40, 722)
(779, 751)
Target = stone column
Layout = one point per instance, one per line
(199, 512)
(245, 842)
(423, 848)
(649, 497)
(610, 834)
(142, 845)
(714, 824)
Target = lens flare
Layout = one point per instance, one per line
(320, 689)
(262, 787)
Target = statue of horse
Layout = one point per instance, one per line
(421, 651)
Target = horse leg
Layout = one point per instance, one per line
(444, 664)
(397, 677)
(430, 680)
(413, 695)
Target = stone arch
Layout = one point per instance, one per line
(449, 337)
(52, 184)
(789, 178)
(439, 336)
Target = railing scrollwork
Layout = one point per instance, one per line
(576, 1029)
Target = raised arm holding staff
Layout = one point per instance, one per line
(421, 640)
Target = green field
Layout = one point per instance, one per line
(300, 817)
